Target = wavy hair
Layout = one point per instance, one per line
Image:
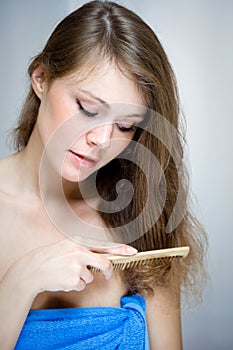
(100, 31)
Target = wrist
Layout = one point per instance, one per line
(18, 278)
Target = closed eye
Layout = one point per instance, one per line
(126, 127)
(84, 111)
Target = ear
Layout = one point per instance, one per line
(38, 80)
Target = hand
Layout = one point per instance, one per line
(62, 266)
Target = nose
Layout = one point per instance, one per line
(100, 136)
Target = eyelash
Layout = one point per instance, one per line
(84, 111)
(124, 129)
(90, 114)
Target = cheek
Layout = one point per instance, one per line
(52, 115)
(118, 145)
(57, 111)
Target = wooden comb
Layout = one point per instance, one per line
(122, 262)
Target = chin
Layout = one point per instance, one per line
(75, 176)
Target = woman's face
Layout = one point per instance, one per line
(85, 123)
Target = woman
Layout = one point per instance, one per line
(102, 93)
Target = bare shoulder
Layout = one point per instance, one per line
(7, 169)
(164, 320)
(4, 163)
(7, 213)
(12, 215)
(6, 185)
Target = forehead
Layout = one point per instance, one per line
(109, 84)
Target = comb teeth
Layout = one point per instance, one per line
(123, 262)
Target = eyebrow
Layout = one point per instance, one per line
(95, 98)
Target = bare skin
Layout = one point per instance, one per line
(32, 229)
(39, 267)
(42, 269)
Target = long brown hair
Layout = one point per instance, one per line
(105, 30)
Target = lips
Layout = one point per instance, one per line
(84, 160)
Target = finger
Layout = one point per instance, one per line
(87, 276)
(100, 262)
(121, 250)
(96, 244)
(106, 247)
(81, 285)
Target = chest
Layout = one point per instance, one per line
(24, 228)
(99, 293)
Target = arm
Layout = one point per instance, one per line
(163, 320)
(15, 302)
(57, 267)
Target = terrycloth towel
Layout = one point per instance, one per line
(91, 328)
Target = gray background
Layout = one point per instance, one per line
(198, 38)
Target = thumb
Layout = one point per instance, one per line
(106, 247)
(121, 249)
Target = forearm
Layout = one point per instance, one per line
(61, 266)
(15, 303)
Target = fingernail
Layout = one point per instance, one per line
(108, 276)
(131, 250)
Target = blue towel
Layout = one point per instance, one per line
(93, 328)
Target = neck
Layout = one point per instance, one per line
(35, 175)
(62, 199)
